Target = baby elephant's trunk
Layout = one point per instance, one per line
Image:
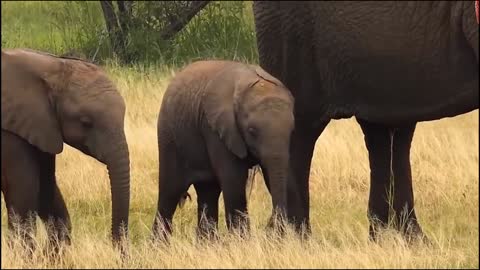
(277, 169)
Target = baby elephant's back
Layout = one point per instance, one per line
(197, 74)
(185, 90)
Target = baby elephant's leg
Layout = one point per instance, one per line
(232, 175)
(207, 201)
(20, 187)
(171, 189)
(236, 205)
(52, 208)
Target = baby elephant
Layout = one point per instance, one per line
(217, 120)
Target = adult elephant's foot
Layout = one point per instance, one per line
(303, 229)
(300, 226)
(410, 230)
(413, 233)
(296, 217)
(277, 226)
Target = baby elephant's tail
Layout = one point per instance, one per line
(184, 198)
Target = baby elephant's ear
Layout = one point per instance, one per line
(219, 110)
(27, 109)
(266, 76)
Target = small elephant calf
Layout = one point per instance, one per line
(217, 120)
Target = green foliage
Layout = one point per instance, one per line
(224, 29)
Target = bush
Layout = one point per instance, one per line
(223, 29)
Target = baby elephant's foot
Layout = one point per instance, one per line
(22, 236)
(58, 238)
(241, 229)
(161, 231)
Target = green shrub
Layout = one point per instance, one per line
(223, 29)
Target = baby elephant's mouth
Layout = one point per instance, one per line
(252, 153)
(85, 149)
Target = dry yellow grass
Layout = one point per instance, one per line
(445, 170)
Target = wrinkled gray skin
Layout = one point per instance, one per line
(46, 101)
(217, 120)
(388, 64)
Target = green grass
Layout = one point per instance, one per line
(224, 29)
(53, 26)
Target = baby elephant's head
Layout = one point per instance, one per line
(253, 114)
(264, 115)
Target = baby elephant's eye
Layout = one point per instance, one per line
(252, 131)
(86, 122)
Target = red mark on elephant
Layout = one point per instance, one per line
(476, 9)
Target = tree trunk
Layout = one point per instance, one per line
(182, 20)
(117, 37)
(124, 8)
(119, 25)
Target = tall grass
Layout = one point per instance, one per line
(224, 29)
(445, 171)
(53, 26)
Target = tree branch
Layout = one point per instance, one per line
(182, 20)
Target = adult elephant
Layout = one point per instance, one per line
(389, 64)
(46, 101)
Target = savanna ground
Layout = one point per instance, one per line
(444, 166)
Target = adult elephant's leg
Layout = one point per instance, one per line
(378, 143)
(302, 145)
(403, 200)
(52, 208)
(207, 201)
(390, 175)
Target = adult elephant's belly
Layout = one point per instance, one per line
(414, 95)
(405, 88)
(374, 64)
